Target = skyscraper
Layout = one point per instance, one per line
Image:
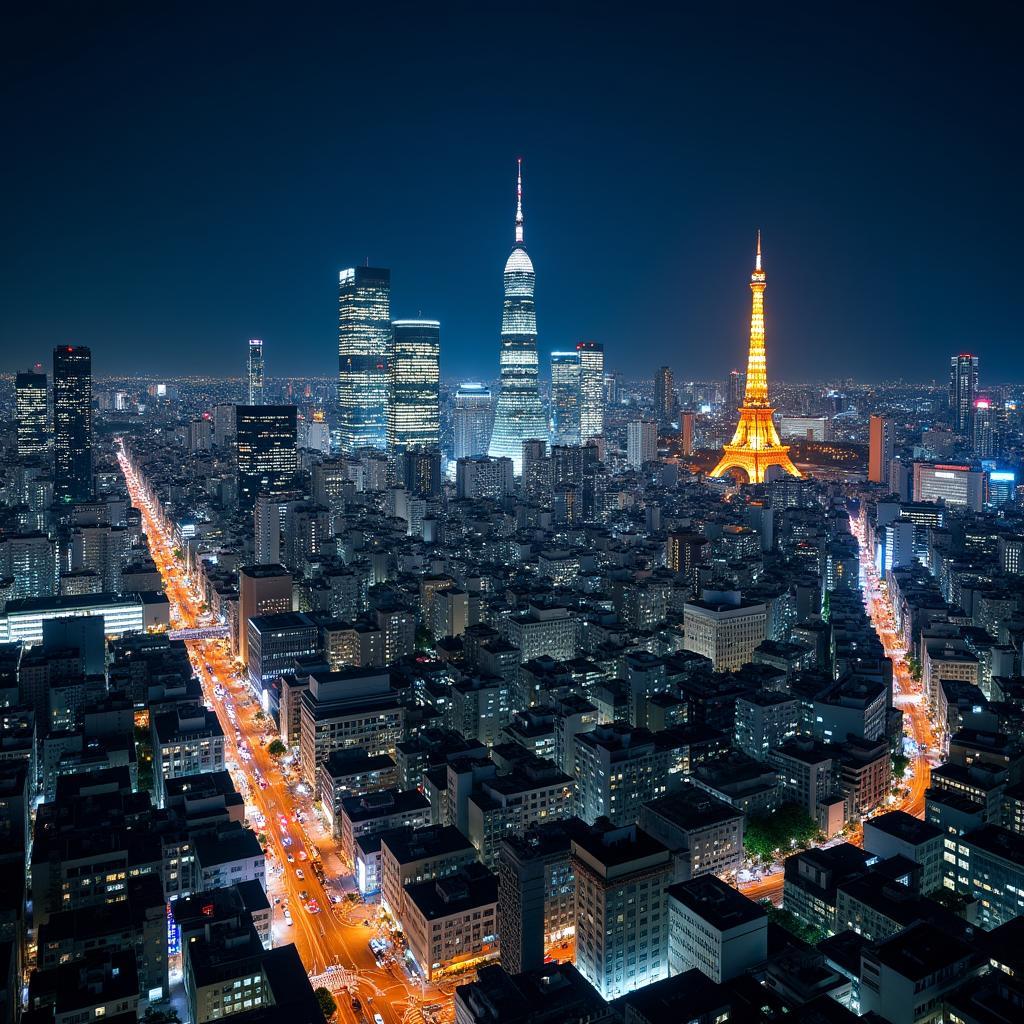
(755, 446)
(30, 399)
(879, 449)
(265, 437)
(984, 429)
(364, 341)
(686, 418)
(641, 442)
(519, 414)
(664, 395)
(72, 423)
(414, 415)
(471, 421)
(565, 398)
(734, 390)
(255, 371)
(592, 389)
(963, 389)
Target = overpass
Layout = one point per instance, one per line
(200, 633)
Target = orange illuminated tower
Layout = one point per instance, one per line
(755, 446)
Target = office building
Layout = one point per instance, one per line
(985, 429)
(952, 484)
(419, 472)
(471, 421)
(592, 389)
(565, 398)
(622, 875)
(72, 423)
(187, 740)
(33, 418)
(273, 644)
(686, 422)
(265, 437)
(804, 428)
(664, 395)
(519, 414)
(715, 929)
(734, 388)
(452, 923)
(641, 443)
(484, 478)
(880, 448)
(898, 834)
(364, 341)
(256, 394)
(411, 856)
(414, 414)
(987, 865)
(963, 390)
(724, 628)
(536, 892)
(22, 620)
(262, 590)
(618, 769)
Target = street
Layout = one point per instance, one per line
(304, 867)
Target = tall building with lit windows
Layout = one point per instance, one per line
(30, 400)
(664, 395)
(72, 423)
(364, 342)
(880, 449)
(414, 414)
(963, 389)
(256, 395)
(565, 398)
(265, 439)
(984, 429)
(755, 446)
(592, 389)
(519, 414)
(471, 421)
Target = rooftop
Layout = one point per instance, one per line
(722, 906)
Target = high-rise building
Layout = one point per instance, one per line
(593, 389)
(755, 446)
(72, 423)
(565, 398)
(471, 421)
(364, 341)
(519, 414)
(879, 449)
(734, 391)
(686, 420)
(985, 429)
(262, 590)
(622, 877)
(641, 442)
(963, 389)
(30, 399)
(255, 371)
(664, 395)
(265, 438)
(420, 472)
(414, 413)
(483, 478)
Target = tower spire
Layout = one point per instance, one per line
(519, 202)
(757, 258)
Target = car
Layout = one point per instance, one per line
(378, 1019)
(291, 858)
(356, 1005)
(300, 874)
(302, 855)
(303, 894)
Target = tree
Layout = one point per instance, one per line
(327, 1004)
(809, 933)
(900, 763)
(276, 748)
(790, 826)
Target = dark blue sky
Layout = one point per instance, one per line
(176, 183)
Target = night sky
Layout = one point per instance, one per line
(174, 183)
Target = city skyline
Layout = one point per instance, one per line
(839, 180)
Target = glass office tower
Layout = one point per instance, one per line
(72, 423)
(265, 438)
(255, 371)
(519, 414)
(592, 389)
(565, 398)
(30, 401)
(364, 343)
(471, 421)
(414, 410)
